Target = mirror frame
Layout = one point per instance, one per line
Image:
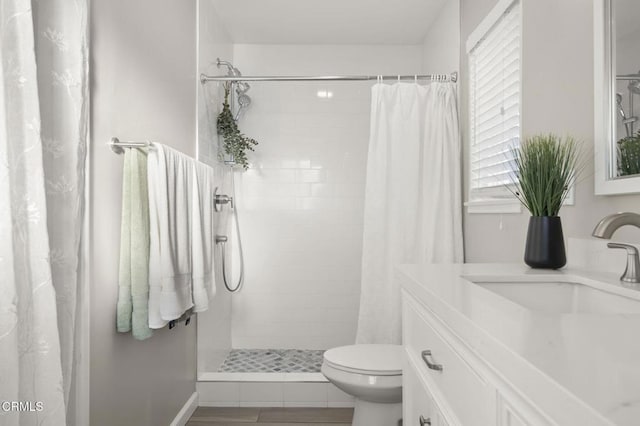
(604, 114)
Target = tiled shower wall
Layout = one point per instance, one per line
(301, 202)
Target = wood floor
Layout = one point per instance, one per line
(231, 416)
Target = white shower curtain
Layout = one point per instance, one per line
(43, 131)
(413, 211)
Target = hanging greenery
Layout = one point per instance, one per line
(629, 155)
(235, 143)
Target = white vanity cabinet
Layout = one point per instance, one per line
(448, 384)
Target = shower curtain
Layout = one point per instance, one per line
(43, 132)
(413, 211)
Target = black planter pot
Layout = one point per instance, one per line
(545, 243)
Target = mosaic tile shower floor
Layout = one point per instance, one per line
(272, 361)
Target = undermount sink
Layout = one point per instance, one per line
(562, 297)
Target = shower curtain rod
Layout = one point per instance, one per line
(453, 77)
(628, 77)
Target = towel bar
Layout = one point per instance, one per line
(118, 146)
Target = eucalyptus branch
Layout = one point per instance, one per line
(235, 143)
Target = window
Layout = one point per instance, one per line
(494, 101)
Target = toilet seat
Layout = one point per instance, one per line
(369, 359)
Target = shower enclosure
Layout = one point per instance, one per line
(300, 209)
(300, 223)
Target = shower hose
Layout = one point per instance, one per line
(222, 240)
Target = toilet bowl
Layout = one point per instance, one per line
(373, 375)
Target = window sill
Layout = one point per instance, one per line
(493, 206)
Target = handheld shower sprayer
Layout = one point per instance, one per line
(232, 285)
(621, 112)
(626, 121)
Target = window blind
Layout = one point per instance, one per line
(494, 65)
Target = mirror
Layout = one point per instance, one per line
(617, 96)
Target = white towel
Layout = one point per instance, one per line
(170, 175)
(202, 215)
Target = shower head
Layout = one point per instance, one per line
(231, 70)
(244, 100)
(634, 87)
(242, 87)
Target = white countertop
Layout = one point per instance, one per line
(586, 362)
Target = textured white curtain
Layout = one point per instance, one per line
(413, 211)
(43, 131)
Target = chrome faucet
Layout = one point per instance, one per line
(605, 229)
(610, 224)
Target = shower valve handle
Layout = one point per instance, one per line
(222, 199)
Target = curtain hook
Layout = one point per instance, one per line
(398, 78)
(415, 78)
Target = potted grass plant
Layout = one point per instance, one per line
(544, 168)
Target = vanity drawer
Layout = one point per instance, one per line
(451, 377)
(419, 408)
(417, 403)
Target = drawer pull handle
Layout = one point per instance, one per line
(432, 365)
(425, 422)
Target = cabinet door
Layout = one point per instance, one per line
(513, 411)
(507, 416)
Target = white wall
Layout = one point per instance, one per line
(214, 325)
(143, 81)
(301, 204)
(557, 96)
(439, 52)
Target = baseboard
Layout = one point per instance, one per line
(186, 411)
(270, 394)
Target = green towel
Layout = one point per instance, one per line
(133, 279)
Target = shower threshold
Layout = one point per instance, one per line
(269, 365)
(269, 378)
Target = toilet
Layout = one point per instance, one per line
(373, 375)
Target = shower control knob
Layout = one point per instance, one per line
(222, 199)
